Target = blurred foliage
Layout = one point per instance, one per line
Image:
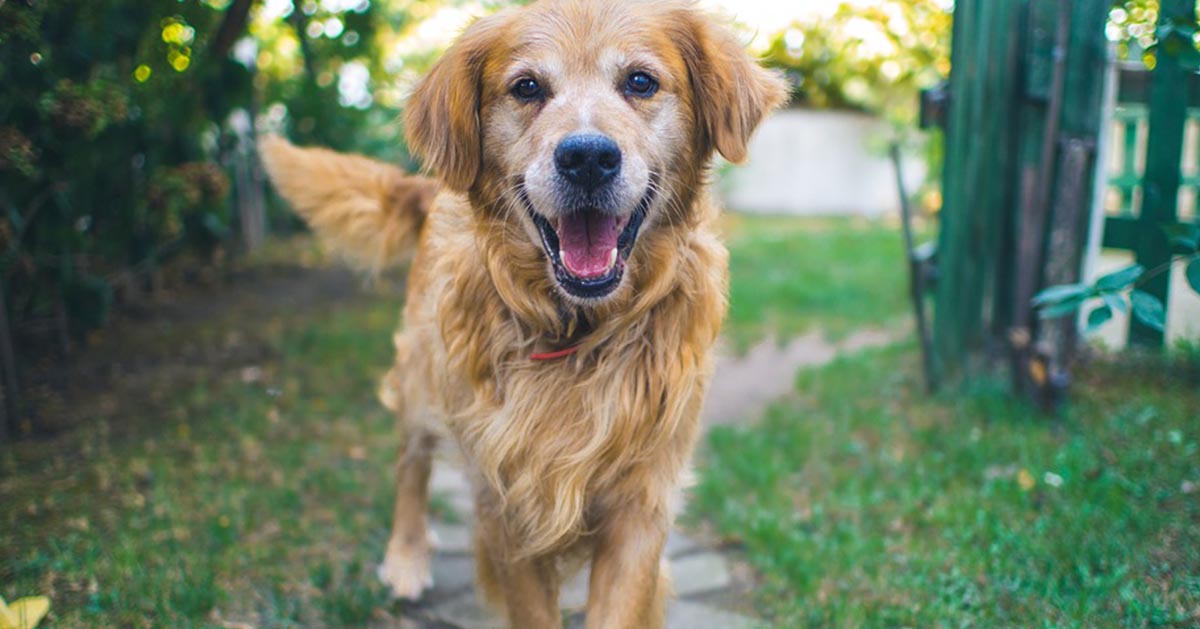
(875, 57)
(1134, 26)
(82, 136)
(869, 58)
(122, 123)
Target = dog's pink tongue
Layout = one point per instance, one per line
(587, 240)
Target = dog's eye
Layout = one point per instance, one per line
(641, 84)
(527, 89)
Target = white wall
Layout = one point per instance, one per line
(807, 162)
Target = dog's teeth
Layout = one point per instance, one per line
(562, 255)
(612, 257)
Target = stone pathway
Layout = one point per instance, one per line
(743, 387)
(713, 588)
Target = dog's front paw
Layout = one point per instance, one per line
(406, 571)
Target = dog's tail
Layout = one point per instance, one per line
(366, 210)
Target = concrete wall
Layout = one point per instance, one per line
(807, 162)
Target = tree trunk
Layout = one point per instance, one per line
(233, 25)
(300, 23)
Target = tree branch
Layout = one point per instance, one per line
(233, 25)
(300, 23)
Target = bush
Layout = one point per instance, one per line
(121, 122)
(867, 58)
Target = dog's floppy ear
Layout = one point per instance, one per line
(733, 94)
(441, 120)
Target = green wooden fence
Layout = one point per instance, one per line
(1026, 109)
(1170, 88)
(1026, 94)
(1157, 148)
(1131, 121)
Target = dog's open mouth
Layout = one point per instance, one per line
(589, 248)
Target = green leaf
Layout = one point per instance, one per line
(1059, 294)
(1122, 279)
(1183, 235)
(1060, 309)
(1193, 274)
(1098, 317)
(1149, 310)
(1115, 301)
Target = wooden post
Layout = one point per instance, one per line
(1075, 173)
(1044, 94)
(1164, 151)
(980, 169)
(917, 268)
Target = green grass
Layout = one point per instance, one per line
(203, 495)
(861, 502)
(266, 500)
(865, 503)
(795, 275)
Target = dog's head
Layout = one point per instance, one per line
(587, 123)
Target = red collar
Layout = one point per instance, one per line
(562, 353)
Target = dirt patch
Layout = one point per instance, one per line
(744, 386)
(179, 338)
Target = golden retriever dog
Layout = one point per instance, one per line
(566, 290)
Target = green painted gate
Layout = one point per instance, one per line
(1026, 97)
(1156, 175)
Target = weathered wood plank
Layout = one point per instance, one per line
(984, 82)
(1066, 236)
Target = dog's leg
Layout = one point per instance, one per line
(488, 577)
(629, 586)
(527, 589)
(530, 590)
(406, 566)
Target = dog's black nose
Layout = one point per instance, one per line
(588, 160)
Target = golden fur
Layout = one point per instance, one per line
(581, 456)
(365, 210)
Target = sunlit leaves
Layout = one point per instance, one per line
(1148, 309)
(1059, 301)
(1098, 317)
(1056, 295)
(178, 35)
(1116, 302)
(1120, 279)
(176, 31)
(874, 58)
(1133, 26)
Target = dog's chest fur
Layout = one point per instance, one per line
(556, 439)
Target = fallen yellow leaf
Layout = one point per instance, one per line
(1025, 479)
(24, 613)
